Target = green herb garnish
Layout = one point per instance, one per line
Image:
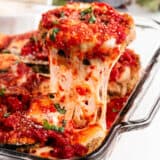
(48, 126)
(2, 91)
(55, 30)
(86, 11)
(6, 115)
(114, 110)
(54, 33)
(89, 10)
(86, 62)
(92, 19)
(59, 108)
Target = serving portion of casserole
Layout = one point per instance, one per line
(62, 86)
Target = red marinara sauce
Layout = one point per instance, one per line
(128, 58)
(34, 48)
(113, 108)
(16, 127)
(69, 27)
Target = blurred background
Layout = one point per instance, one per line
(12, 12)
(152, 5)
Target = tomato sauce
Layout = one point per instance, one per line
(34, 48)
(128, 58)
(75, 27)
(16, 126)
(113, 109)
(82, 90)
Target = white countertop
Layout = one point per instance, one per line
(139, 145)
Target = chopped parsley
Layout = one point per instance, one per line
(48, 126)
(89, 10)
(59, 108)
(114, 110)
(86, 11)
(86, 62)
(2, 91)
(53, 34)
(92, 19)
(6, 114)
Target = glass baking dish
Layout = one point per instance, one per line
(142, 104)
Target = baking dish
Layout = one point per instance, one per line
(146, 45)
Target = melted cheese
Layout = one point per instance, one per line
(43, 109)
(82, 88)
(7, 60)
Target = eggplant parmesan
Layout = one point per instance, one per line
(62, 86)
(83, 45)
(26, 46)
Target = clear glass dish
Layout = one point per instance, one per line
(144, 101)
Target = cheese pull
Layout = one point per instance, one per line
(84, 41)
